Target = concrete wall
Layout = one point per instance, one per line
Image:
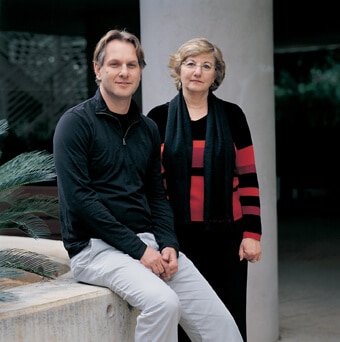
(62, 310)
(243, 29)
(65, 311)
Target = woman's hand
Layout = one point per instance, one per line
(250, 249)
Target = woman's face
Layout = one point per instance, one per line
(197, 73)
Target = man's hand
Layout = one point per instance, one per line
(162, 264)
(250, 249)
(170, 264)
(153, 260)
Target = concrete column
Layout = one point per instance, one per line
(244, 32)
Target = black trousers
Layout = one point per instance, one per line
(214, 251)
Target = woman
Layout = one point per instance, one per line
(210, 174)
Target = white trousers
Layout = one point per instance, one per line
(186, 299)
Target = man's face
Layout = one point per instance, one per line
(120, 73)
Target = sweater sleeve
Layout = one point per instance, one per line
(248, 184)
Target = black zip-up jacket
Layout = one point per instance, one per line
(109, 182)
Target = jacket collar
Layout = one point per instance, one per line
(101, 107)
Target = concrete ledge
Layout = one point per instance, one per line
(63, 310)
(51, 248)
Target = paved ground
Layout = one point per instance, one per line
(309, 279)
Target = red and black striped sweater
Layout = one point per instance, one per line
(245, 195)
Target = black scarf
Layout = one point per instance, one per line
(219, 156)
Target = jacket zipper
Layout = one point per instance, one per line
(120, 125)
(127, 131)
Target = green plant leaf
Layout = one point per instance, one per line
(28, 261)
(27, 168)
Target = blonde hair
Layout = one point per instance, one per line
(194, 47)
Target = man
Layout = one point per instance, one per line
(116, 222)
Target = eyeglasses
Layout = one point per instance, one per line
(192, 66)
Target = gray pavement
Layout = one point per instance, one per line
(309, 279)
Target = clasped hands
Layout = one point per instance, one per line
(164, 264)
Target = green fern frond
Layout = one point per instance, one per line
(32, 225)
(11, 273)
(27, 168)
(3, 126)
(28, 261)
(47, 205)
(10, 194)
(19, 210)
